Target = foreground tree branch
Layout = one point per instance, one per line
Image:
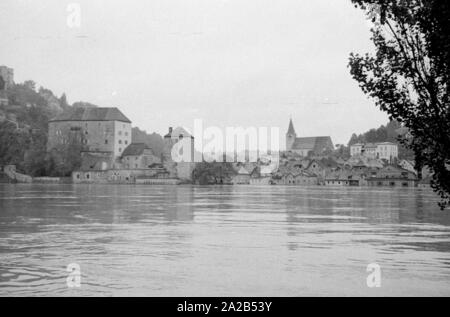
(408, 77)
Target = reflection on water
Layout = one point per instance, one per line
(221, 241)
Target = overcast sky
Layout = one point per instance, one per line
(228, 62)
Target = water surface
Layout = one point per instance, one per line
(221, 241)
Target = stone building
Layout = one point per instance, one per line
(173, 137)
(393, 176)
(344, 177)
(241, 177)
(382, 150)
(306, 179)
(305, 146)
(139, 156)
(123, 176)
(296, 177)
(137, 165)
(183, 166)
(321, 168)
(97, 129)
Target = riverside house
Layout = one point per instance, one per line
(393, 176)
(242, 176)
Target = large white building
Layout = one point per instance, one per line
(97, 129)
(383, 150)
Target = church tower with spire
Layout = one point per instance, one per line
(290, 136)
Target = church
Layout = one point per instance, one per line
(305, 146)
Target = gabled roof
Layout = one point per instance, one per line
(393, 168)
(408, 161)
(243, 171)
(315, 144)
(135, 149)
(267, 169)
(92, 114)
(303, 173)
(177, 132)
(342, 175)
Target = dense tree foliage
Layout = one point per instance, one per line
(409, 74)
(213, 173)
(84, 104)
(23, 130)
(153, 140)
(2, 83)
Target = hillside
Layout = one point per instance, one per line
(23, 131)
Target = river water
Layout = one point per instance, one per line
(221, 241)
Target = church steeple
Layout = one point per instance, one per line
(290, 136)
(291, 129)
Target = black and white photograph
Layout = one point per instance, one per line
(220, 149)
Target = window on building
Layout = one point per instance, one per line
(106, 141)
(126, 142)
(120, 132)
(120, 141)
(88, 176)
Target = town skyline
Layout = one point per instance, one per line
(175, 79)
(224, 154)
